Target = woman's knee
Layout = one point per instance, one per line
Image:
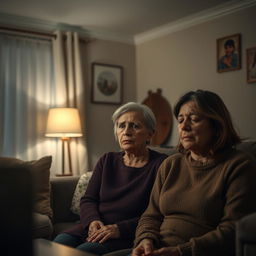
(68, 240)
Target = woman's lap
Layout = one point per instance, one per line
(78, 243)
(67, 239)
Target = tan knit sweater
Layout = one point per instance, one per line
(195, 206)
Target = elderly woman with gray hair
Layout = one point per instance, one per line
(119, 190)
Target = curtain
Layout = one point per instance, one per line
(70, 90)
(26, 91)
(36, 74)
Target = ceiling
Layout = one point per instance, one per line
(124, 18)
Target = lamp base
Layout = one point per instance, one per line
(66, 142)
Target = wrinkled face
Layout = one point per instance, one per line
(131, 132)
(195, 131)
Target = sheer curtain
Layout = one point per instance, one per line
(26, 91)
(28, 70)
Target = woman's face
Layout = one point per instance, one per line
(132, 133)
(229, 50)
(195, 131)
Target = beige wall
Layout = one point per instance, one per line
(186, 60)
(182, 61)
(99, 127)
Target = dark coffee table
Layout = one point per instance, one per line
(44, 247)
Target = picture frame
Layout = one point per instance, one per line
(229, 53)
(107, 83)
(251, 64)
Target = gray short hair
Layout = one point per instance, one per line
(149, 117)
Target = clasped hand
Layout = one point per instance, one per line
(98, 232)
(145, 248)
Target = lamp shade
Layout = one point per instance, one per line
(63, 122)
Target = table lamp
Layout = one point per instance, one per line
(64, 123)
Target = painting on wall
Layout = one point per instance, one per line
(229, 53)
(251, 65)
(107, 83)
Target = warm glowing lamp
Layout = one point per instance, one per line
(64, 123)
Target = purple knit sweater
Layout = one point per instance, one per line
(117, 194)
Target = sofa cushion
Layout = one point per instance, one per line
(79, 192)
(249, 147)
(63, 188)
(40, 170)
(42, 226)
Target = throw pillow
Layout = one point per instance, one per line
(41, 173)
(40, 170)
(79, 192)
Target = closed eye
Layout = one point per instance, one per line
(195, 118)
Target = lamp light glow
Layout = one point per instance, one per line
(64, 123)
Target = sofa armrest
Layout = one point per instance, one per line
(62, 190)
(246, 236)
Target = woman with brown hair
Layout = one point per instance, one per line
(200, 192)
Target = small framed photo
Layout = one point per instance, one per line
(251, 65)
(107, 83)
(229, 53)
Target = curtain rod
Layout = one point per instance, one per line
(28, 32)
(43, 34)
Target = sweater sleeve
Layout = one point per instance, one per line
(150, 222)
(239, 195)
(90, 201)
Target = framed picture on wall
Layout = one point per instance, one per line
(251, 65)
(229, 53)
(107, 83)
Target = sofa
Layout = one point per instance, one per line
(53, 212)
(62, 190)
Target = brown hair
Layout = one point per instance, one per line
(212, 107)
